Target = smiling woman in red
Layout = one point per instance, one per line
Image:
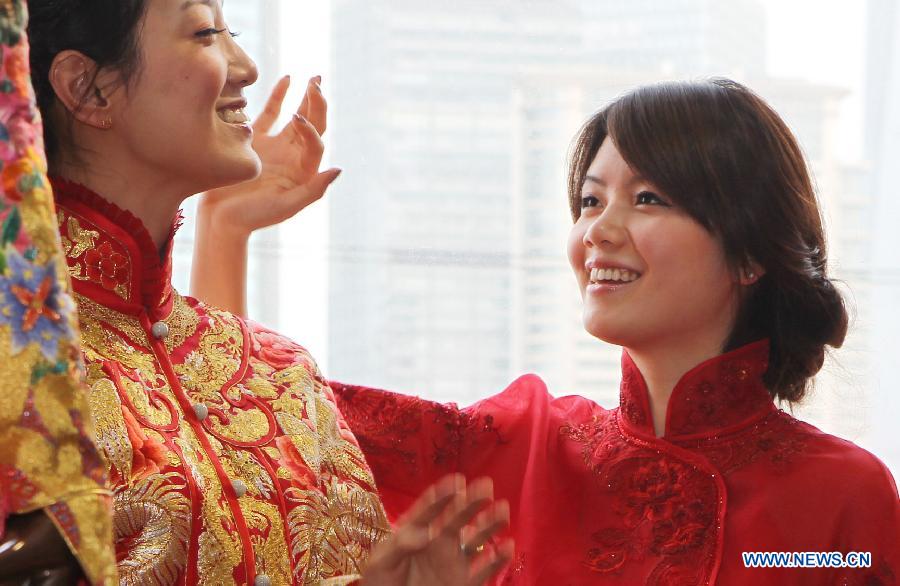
(697, 246)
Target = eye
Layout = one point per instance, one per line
(209, 32)
(589, 201)
(650, 198)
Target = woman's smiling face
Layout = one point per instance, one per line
(648, 272)
(182, 115)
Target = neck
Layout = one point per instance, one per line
(148, 194)
(663, 365)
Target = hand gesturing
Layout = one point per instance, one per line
(437, 543)
(290, 179)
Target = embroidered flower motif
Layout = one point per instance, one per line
(664, 506)
(275, 350)
(148, 456)
(33, 305)
(22, 175)
(301, 474)
(106, 266)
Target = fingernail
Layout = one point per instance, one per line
(318, 79)
(287, 77)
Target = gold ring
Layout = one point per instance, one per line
(468, 550)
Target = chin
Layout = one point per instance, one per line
(237, 170)
(613, 330)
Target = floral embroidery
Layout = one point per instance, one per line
(32, 305)
(663, 506)
(105, 266)
(390, 424)
(274, 349)
(777, 437)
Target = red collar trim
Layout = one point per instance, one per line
(717, 396)
(112, 258)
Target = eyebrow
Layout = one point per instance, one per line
(188, 3)
(602, 183)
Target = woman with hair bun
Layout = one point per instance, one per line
(228, 460)
(698, 247)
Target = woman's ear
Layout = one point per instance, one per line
(751, 272)
(75, 80)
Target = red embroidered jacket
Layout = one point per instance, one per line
(597, 499)
(229, 461)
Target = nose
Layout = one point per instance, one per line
(606, 229)
(242, 69)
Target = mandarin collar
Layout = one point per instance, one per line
(111, 256)
(718, 396)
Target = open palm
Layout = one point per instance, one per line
(290, 179)
(438, 543)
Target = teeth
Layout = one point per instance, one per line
(622, 275)
(234, 116)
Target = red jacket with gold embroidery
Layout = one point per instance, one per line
(229, 461)
(596, 498)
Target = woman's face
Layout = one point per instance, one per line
(183, 114)
(650, 275)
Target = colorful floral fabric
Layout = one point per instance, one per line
(47, 459)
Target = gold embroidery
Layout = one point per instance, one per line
(111, 434)
(220, 546)
(343, 457)
(265, 522)
(216, 359)
(157, 405)
(332, 535)
(182, 322)
(156, 516)
(81, 240)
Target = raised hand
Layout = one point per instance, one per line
(290, 179)
(443, 540)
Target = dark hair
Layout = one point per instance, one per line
(104, 30)
(724, 156)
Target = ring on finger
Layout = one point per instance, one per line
(467, 549)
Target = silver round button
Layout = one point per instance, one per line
(201, 411)
(262, 580)
(240, 488)
(160, 330)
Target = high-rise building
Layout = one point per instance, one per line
(421, 227)
(449, 273)
(680, 37)
(883, 150)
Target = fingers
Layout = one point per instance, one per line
(479, 493)
(314, 107)
(413, 531)
(492, 562)
(488, 524)
(434, 500)
(297, 199)
(264, 122)
(314, 147)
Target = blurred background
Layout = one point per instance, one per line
(436, 265)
